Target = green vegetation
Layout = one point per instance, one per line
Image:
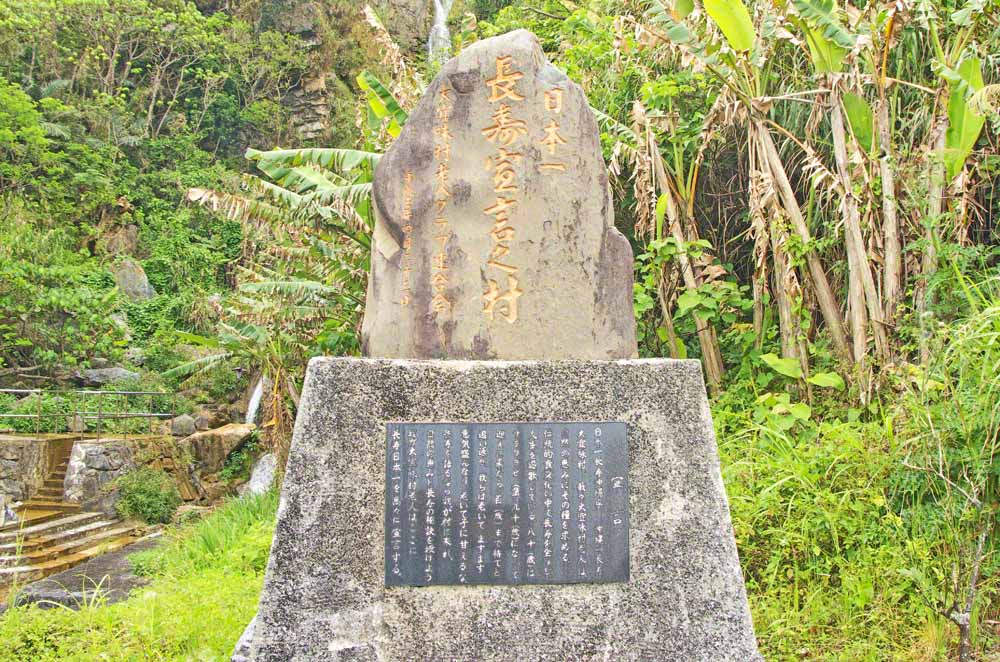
(147, 494)
(204, 584)
(809, 188)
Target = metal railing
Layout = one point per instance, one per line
(100, 414)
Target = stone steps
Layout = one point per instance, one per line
(29, 573)
(68, 533)
(108, 532)
(59, 522)
(50, 504)
(57, 483)
(49, 493)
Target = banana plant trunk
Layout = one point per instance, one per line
(892, 277)
(935, 207)
(821, 285)
(863, 294)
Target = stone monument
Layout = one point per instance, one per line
(558, 500)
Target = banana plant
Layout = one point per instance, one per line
(830, 45)
(738, 62)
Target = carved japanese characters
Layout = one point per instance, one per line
(494, 234)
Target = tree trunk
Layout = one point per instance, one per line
(893, 276)
(935, 206)
(707, 339)
(821, 286)
(863, 293)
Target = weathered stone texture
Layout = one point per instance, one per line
(92, 466)
(436, 288)
(210, 448)
(324, 596)
(23, 463)
(131, 279)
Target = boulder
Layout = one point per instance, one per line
(494, 229)
(124, 241)
(182, 426)
(131, 280)
(102, 376)
(208, 418)
(92, 465)
(262, 475)
(210, 448)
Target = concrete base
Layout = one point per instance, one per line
(324, 596)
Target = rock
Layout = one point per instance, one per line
(76, 423)
(131, 280)
(262, 475)
(214, 417)
(124, 241)
(23, 465)
(100, 362)
(92, 466)
(498, 242)
(135, 355)
(182, 426)
(102, 376)
(325, 590)
(211, 447)
(242, 651)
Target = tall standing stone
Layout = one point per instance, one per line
(494, 234)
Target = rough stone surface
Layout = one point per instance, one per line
(262, 476)
(92, 465)
(243, 647)
(101, 376)
(210, 448)
(566, 273)
(109, 577)
(23, 463)
(211, 417)
(131, 280)
(324, 596)
(182, 426)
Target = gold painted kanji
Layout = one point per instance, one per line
(502, 85)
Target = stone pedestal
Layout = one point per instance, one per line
(325, 596)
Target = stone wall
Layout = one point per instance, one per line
(23, 465)
(92, 465)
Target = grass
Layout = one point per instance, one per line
(205, 583)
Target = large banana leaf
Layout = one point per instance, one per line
(861, 119)
(829, 43)
(338, 160)
(964, 124)
(382, 103)
(733, 19)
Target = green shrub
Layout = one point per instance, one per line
(147, 494)
(240, 461)
(54, 410)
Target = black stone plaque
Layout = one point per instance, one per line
(506, 503)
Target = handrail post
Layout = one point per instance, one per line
(100, 413)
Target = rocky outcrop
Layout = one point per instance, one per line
(23, 464)
(182, 426)
(208, 418)
(102, 376)
(209, 449)
(333, 32)
(131, 279)
(92, 466)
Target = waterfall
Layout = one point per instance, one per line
(439, 42)
(254, 403)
